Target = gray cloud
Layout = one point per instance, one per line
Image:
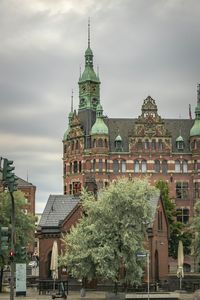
(142, 47)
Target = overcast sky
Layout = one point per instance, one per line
(142, 47)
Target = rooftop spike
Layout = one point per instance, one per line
(198, 93)
(72, 101)
(88, 32)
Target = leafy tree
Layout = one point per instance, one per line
(195, 226)
(177, 230)
(24, 224)
(104, 243)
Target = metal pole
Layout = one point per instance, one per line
(148, 275)
(12, 264)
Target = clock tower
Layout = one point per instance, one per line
(89, 93)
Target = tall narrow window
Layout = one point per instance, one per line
(100, 165)
(77, 145)
(94, 143)
(75, 166)
(136, 166)
(144, 166)
(177, 166)
(100, 143)
(157, 166)
(80, 167)
(94, 165)
(106, 165)
(153, 145)
(146, 144)
(139, 145)
(164, 167)
(185, 166)
(160, 145)
(70, 168)
(123, 164)
(115, 166)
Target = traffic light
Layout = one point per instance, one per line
(11, 255)
(23, 254)
(8, 176)
(4, 235)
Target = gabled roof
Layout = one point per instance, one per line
(58, 207)
(23, 183)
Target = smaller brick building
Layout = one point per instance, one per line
(63, 211)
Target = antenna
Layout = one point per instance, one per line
(72, 101)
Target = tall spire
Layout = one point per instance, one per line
(89, 32)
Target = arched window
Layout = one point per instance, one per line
(94, 165)
(77, 145)
(94, 143)
(153, 145)
(185, 166)
(157, 166)
(115, 166)
(164, 167)
(105, 143)
(100, 143)
(177, 166)
(136, 166)
(88, 165)
(160, 145)
(123, 164)
(72, 145)
(146, 144)
(75, 166)
(100, 165)
(144, 166)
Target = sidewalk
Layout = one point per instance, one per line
(32, 294)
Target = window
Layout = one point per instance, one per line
(195, 165)
(136, 166)
(185, 166)
(157, 166)
(80, 167)
(144, 166)
(105, 143)
(70, 168)
(123, 164)
(75, 166)
(100, 143)
(77, 145)
(88, 165)
(106, 165)
(160, 225)
(160, 145)
(182, 215)
(100, 165)
(182, 190)
(180, 145)
(94, 165)
(197, 190)
(72, 145)
(164, 167)
(115, 166)
(65, 189)
(177, 166)
(153, 145)
(76, 188)
(146, 144)
(94, 143)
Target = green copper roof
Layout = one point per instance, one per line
(88, 51)
(89, 75)
(99, 127)
(179, 139)
(195, 130)
(66, 134)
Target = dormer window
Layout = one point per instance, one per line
(180, 143)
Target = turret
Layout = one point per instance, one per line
(195, 130)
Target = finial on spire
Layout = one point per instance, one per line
(89, 32)
(72, 102)
(198, 93)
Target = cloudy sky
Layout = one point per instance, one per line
(142, 47)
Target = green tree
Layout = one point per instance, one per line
(104, 243)
(195, 226)
(177, 230)
(24, 223)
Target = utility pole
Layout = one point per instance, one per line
(12, 264)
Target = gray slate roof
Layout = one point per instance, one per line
(58, 207)
(125, 127)
(23, 183)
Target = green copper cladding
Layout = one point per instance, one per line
(99, 126)
(195, 130)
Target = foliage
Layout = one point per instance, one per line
(195, 226)
(112, 230)
(177, 230)
(24, 223)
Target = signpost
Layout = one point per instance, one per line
(20, 279)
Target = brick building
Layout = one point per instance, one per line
(98, 149)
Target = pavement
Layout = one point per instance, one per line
(32, 294)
